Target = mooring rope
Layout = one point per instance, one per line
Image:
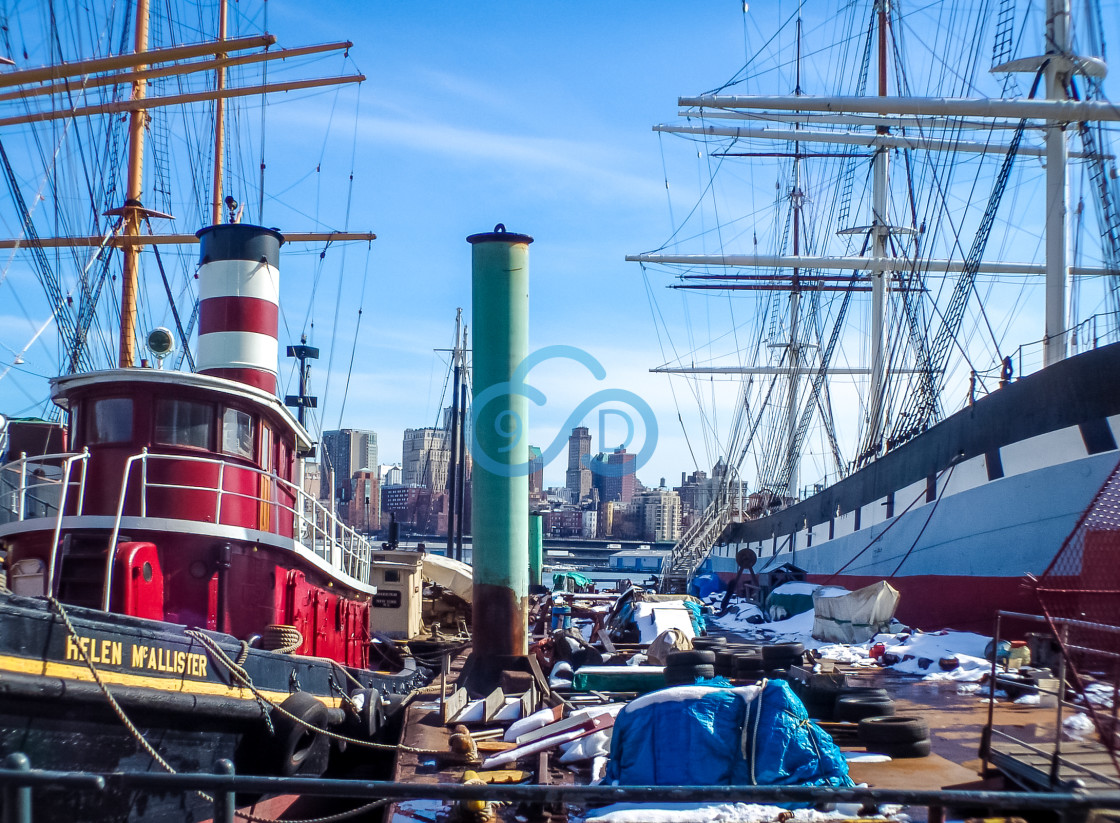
(239, 673)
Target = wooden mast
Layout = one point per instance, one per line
(133, 211)
(219, 122)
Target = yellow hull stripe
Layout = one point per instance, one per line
(81, 673)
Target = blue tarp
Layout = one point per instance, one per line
(705, 584)
(705, 736)
(694, 610)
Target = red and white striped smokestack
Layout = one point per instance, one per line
(239, 299)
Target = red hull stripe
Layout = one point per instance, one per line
(218, 314)
(933, 602)
(252, 377)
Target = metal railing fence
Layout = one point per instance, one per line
(42, 487)
(17, 779)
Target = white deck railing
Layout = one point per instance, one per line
(41, 486)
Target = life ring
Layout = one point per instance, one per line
(296, 749)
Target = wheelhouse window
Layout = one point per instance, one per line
(237, 433)
(184, 423)
(110, 420)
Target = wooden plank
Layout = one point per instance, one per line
(495, 745)
(492, 705)
(529, 701)
(454, 704)
(605, 639)
(539, 675)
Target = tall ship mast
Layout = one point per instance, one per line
(864, 334)
(166, 559)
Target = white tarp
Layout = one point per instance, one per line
(654, 618)
(854, 617)
(453, 575)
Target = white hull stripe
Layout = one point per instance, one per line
(239, 278)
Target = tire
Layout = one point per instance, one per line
(726, 659)
(781, 652)
(782, 662)
(916, 748)
(752, 667)
(892, 729)
(371, 717)
(691, 658)
(818, 708)
(861, 691)
(687, 675)
(296, 749)
(749, 660)
(858, 707)
(709, 642)
(744, 648)
(777, 674)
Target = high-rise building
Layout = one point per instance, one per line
(619, 480)
(661, 514)
(696, 491)
(391, 475)
(536, 473)
(345, 452)
(578, 476)
(364, 509)
(598, 466)
(427, 453)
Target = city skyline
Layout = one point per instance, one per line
(427, 435)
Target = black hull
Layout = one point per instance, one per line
(1082, 391)
(185, 704)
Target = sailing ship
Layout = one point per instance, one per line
(175, 593)
(956, 510)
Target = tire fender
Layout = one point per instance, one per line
(296, 748)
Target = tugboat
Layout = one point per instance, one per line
(175, 595)
(173, 587)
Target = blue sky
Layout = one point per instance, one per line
(535, 115)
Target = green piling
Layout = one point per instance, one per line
(500, 479)
(536, 549)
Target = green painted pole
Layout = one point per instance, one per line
(500, 490)
(536, 549)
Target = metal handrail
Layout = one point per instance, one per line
(343, 548)
(313, 525)
(62, 483)
(688, 553)
(17, 776)
(64, 492)
(23, 489)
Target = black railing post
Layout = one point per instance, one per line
(17, 796)
(224, 803)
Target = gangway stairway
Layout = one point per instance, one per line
(695, 545)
